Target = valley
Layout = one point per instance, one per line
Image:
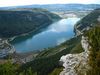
(57, 33)
(39, 38)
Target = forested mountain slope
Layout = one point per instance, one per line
(16, 22)
(88, 21)
(94, 56)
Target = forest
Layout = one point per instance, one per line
(17, 22)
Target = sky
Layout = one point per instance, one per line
(4, 3)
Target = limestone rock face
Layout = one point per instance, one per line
(74, 64)
(5, 48)
(98, 19)
(87, 22)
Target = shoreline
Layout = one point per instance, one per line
(20, 38)
(30, 32)
(36, 31)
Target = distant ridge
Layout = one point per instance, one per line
(58, 7)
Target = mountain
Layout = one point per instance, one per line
(94, 56)
(86, 62)
(87, 22)
(46, 64)
(60, 7)
(47, 61)
(17, 22)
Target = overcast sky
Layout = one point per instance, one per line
(4, 3)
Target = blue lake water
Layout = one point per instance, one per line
(53, 35)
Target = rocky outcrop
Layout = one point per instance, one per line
(98, 19)
(76, 64)
(5, 48)
(87, 22)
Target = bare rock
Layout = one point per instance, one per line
(74, 64)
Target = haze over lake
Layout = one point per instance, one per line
(55, 34)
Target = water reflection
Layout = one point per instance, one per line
(55, 34)
(63, 25)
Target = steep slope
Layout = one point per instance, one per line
(87, 62)
(94, 56)
(36, 10)
(76, 64)
(88, 22)
(48, 60)
(16, 22)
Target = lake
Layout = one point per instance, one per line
(55, 34)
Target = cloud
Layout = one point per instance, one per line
(63, 25)
(61, 40)
(59, 27)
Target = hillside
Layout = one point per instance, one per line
(17, 22)
(88, 22)
(47, 61)
(88, 61)
(49, 65)
(94, 56)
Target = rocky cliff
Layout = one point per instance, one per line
(5, 48)
(87, 22)
(76, 64)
